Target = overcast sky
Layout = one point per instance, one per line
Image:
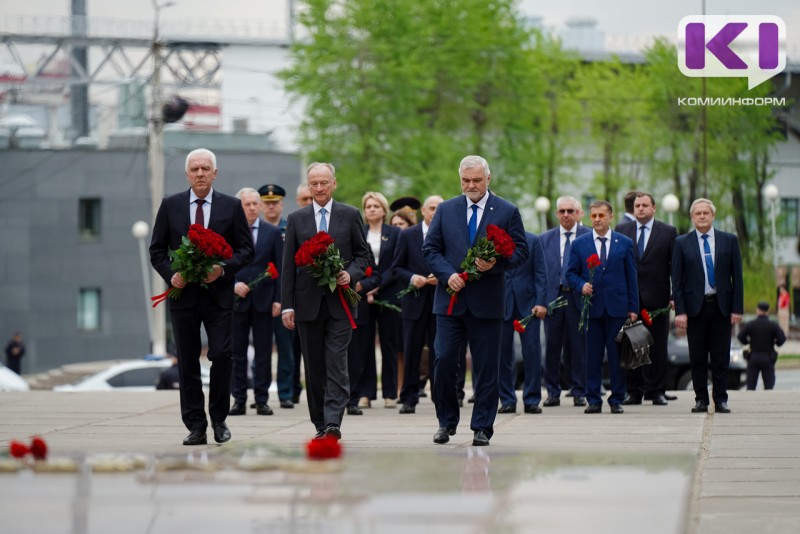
(613, 16)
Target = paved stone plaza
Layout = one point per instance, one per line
(653, 469)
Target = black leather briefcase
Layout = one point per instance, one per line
(635, 341)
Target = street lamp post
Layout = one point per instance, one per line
(140, 231)
(671, 205)
(771, 193)
(542, 205)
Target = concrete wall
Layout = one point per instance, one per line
(44, 262)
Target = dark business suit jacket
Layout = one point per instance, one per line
(269, 249)
(172, 224)
(446, 247)
(615, 285)
(688, 274)
(388, 284)
(551, 244)
(526, 285)
(408, 261)
(655, 267)
(299, 289)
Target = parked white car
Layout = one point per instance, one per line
(11, 381)
(136, 375)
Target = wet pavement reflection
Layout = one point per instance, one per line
(263, 489)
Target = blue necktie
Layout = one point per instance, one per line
(323, 224)
(709, 261)
(603, 251)
(565, 260)
(641, 241)
(472, 226)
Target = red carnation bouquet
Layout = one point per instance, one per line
(200, 250)
(37, 448)
(495, 244)
(648, 316)
(270, 272)
(325, 261)
(592, 263)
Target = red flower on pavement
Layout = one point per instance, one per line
(18, 449)
(38, 448)
(325, 448)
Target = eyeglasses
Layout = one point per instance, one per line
(562, 212)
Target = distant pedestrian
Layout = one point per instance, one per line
(762, 335)
(15, 350)
(170, 377)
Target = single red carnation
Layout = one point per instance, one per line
(593, 261)
(18, 449)
(646, 318)
(519, 327)
(272, 271)
(39, 448)
(323, 449)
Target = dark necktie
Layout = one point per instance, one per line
(709, 261)
(641, 241)
(253, 233)
(472, 227)
(199, 217)
(603, 251)
(323, 224)
(565, 260)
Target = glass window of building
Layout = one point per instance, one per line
(89, 308)
(89, 218)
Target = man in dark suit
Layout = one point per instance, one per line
(562, 326)
(319, 315)
(526, 288)
(210, 306)
(709, 298)
(614, 298)
(419, 322)
(255, 310)
(477, 314)
(303, 199)
(654, 242)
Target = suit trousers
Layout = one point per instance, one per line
(561, 333)
(388, 325)
(483, 336)
(283, 342)
(261, 326)
(648, 381)
(709, 336)
(763, 363)
(297, 353)
(324, 341)
(359, 350)
(531, 361)
(415, 335)
(186, 330)
(600, 342)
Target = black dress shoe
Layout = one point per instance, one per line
(471, 399)
(287, 404)
(577, 400)
(722, 407)
(507, 408)
(443, 435)
(593, 408)
(407, 408)
(670, 397)
(616, 408)
(532, 408)
(264, 409)
(221, 432)
(320, 434)
(253, 405)
(296, 399)
(196, 437)
(551, 401)
(660, 400)
(480, 439)
(423, 394)
(631, 400)
(333, 430)
(354, 410)
(700, 407)
(237, 409)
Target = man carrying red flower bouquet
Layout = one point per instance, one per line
(211, 306)
(321, 315)
(469, 302)
(613, 297)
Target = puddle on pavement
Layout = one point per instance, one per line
(455, 489)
